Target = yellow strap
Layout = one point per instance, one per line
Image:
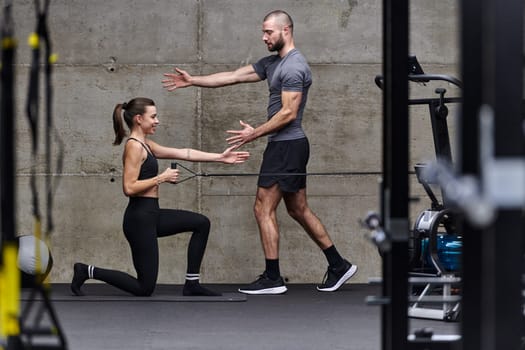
(53, 58)
(9, 292)
(38, 256)
(8, 42)
(33, 41)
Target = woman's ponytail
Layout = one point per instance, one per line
(118, 125)
(127, 111)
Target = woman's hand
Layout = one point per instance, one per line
(169, 175)
(229, 156)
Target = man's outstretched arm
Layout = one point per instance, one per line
(182, 79)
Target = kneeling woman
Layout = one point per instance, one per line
(143, 220)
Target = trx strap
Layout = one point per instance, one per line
(32, 110)
(50, 60)
(36, 40)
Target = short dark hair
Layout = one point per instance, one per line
(283, 17)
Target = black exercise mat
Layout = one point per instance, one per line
(96, 292)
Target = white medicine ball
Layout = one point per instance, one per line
(27, 255)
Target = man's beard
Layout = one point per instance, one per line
(279, 44)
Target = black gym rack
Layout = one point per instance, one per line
(492, 264)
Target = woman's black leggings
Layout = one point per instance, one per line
(143, 223)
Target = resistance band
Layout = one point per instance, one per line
(203, 174)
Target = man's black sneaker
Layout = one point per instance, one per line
(265, 285)
(335, 277)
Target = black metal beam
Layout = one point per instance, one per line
(502, 245)
(7, 134)
(492, 68)
(395, 192)
(467, 160)
(9, 244)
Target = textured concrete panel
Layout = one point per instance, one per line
(111, 51)
(434, 31)
(325, 31)
(83, 109)
(87, 217)
(166, 31)
(121, 31)
(342, 118)
(301, 260)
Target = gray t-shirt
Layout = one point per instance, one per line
(290, 73)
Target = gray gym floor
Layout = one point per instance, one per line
(300, 319)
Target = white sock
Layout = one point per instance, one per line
(192, 276)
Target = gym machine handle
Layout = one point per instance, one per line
(377, 235)
(423, 78)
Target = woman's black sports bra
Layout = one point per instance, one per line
(150, 166)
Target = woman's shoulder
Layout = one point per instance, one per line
(134, 146)
(133, 143)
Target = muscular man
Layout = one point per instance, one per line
(289, 79)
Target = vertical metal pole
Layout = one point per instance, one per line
(9, 274)
(395, 171)
(502, 246)
(7, 132)
(468, 164)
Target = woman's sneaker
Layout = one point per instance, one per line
(265, 285)
(80, 275)
(336, 277)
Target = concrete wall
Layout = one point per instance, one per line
(111, 51)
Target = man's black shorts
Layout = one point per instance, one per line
(285, 157)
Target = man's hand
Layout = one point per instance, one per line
(241, 136)
(180, 79)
